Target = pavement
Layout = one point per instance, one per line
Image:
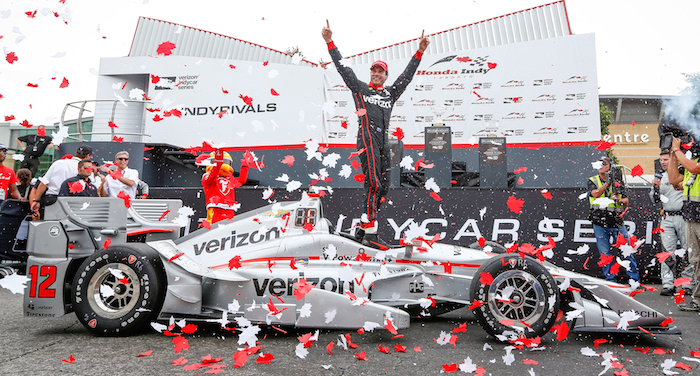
(36, 346)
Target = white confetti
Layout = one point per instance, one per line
(330, 315)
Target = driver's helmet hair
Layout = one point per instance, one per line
(227, 159)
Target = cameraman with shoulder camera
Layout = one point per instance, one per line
(608, 202)
(672, 224)
(691, 213)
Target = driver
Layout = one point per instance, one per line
(219, 185)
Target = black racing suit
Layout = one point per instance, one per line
(373, 129)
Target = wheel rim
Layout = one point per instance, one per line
(113, 290)
(526, 300)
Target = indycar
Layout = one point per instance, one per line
(121, 269)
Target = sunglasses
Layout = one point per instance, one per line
(122, 159)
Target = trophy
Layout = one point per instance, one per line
(438, 111)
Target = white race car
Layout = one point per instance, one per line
(121, 269)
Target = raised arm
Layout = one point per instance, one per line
(346, 73)
(405, 78)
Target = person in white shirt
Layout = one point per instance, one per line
(50, 182)
(125, 181)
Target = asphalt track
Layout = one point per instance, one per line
(35, 346)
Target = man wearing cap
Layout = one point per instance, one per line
(374, 103)
(608, 202)
(8, 179)
(672, 225)
(50, 183)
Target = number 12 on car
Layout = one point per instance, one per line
(48, 275)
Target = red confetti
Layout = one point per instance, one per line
(462, 328)
(482, 242)
(265, 63)
(239, 358)
(288, 160)
(399, 348)
(11, 57)
(32, 85)
(604, 145)
(492, 65)
(118, 139)
(681, 281)
(25, 124)
(521, 181)
(597, 342)
(177, 256)
(265, 359)
(667, 321)
(435, 196)
(546, 194)
(476, 304)
(360, 178)
(562, 330)
(235, 262)
(519, 170)
(273, 92)
(246, 99)
(637, 171)
(157, 118)
(126, 198)
(398, 133)
(515, 205)
(107, 243)
(75, 187)
(362, 356)
(679, 296)
(64, 83)
(155, 79)
(417, 349)
(383, 349)
(329, 347)
(111, 124)
(165, 48)
(344, 124)
(485, 279)
(225, 91)
(70, 359)
(361, 112)
(147, 353)
(30, 14)
(165, 214)
(10, 117)
(449, 368)
(683, 366)
(180, 361)
(529, 361)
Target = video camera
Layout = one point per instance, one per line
(616, 177)
(670, 128)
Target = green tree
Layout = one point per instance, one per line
(605, 121)
(294, 50)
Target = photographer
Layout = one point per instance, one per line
(671, 223)
(691, 213)
(608, 202)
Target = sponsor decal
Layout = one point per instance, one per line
(576, 96)
(177, 83)
(233, 109)
(512, 262)
(454, 86)
(416, 287)
(398, 119)
(235, 241)
(341, 104)
(578, 112)
(282, 287)
(514, 116)
(424, 88)
(338, 87)
(542, 82)
(453, 102)
(509, 100)
(484, 100)
(575, 80)
(338, 119)
(399, 103)
(514, 132)
(455, 118)
(640, 313)
(54, 231)
(545, 98)
(514, 83)
(482, 85)
(378, 100)
(544, 114)
(577, 130)
(424, 119)
(92, 323)
(547, 130)
(483, 117)
(131, 259)
(337, 135)
(425, 103)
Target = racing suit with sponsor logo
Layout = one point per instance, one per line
(374, 106)
(219, 192)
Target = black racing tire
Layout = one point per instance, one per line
(534, 299)
(120, 290)
(496, 248)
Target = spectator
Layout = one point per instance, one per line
(50, 184)
(607, 203)
(142, 189)
(691, 214)
(672, 225)
(80, 185)
(8, 179)
(121, 179)
(24, 180)
(36, 145)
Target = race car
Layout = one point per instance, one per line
(120, 269)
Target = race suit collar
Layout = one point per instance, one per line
(379, 88)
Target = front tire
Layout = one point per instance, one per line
(119, 290)
(523, 294)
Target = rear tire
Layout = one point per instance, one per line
(119, 290)
(532, 293)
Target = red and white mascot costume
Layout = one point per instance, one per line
(219, 185)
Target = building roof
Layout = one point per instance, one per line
(542, 22)
(150, 33)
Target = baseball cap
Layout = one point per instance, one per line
(380, 64)
(605, 160)
(84, 149)
(2, 146)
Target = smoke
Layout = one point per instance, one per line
(684, 110)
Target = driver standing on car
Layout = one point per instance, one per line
(374, 103)
(607, 204)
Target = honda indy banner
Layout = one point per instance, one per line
(530, 92)
(232, 103)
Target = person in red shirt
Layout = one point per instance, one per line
(219, 185)
(8, 179)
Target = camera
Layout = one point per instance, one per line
(670, 128)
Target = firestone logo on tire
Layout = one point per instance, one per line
(92, 323)
(131, 259)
